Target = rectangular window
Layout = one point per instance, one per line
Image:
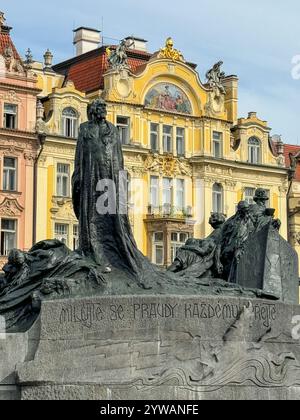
(159, 254)
(154, 137)
(254, 150)
(180, 141)
(75, 237)
(123, 125)
(62, 233)
(70, 129)
(217, 144)
(217, 203)
(167, 139)
(154, 191)
(180, 194)
(10, 116)
(8, 236)
(158, 248)
(217, 198)
(249, 194)
(177, 241)
(254, 155)
(167, 191)
(63, 180)
(9, 174)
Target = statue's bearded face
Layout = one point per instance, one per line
(101, 111)
(243, 208)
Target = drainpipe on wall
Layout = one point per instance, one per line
(41, 139)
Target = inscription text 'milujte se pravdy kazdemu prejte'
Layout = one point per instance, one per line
(91, 313)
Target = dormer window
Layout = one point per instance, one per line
(70, 122)
(254, 151)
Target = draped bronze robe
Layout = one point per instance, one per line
(107, 238)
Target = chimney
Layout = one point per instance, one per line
(252, 115)
(135, 43)
(86, 39)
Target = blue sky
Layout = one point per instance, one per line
(256, 40)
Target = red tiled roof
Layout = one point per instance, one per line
(5, 41)
(86, 71)
(87, 75)
(290, 148)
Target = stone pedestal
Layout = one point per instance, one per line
(159, 347)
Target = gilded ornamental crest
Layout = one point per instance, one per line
(170, 52)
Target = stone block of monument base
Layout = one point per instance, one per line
(269, 263)
(158, 348)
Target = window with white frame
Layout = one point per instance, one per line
(167, 191)
(62, 233)
(154, 137)
(180, 141)
(217, 144)
(8, 236)
(63, 180)
(167, 139)
(254, 150)
(158, 248)
(9, 174)
(123, 125)
(217, 198)
(75, 237)
(10, 116)
(154, 191)
(180, 192)
(70, 122)
(249, 195)
(177, 241)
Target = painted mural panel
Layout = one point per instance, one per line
(168, 97)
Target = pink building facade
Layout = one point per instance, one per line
(19, 147)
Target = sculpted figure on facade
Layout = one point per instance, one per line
(170, 52)
(118, 59)
(215, 77)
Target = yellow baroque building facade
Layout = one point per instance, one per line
(186, 151)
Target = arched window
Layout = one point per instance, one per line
(254, 150)
(217, 198)
(70, 122)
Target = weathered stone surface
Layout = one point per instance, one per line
(270, 264)
(11, 392)
(151, 347)
(15, 349)
(159, 393)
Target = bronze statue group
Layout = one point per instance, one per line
(108, 260)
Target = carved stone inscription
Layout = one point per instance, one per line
(90, 314)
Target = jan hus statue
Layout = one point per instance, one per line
(99, 187)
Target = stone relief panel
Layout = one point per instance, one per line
(10, 208)
(11, 97)
(63, 209)
(168, 165)
(200, 344)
